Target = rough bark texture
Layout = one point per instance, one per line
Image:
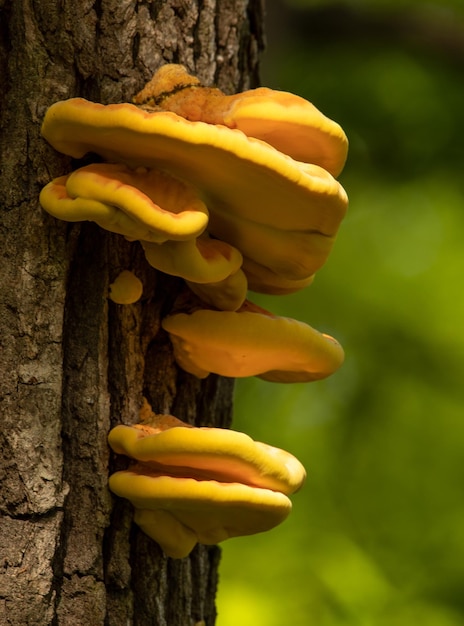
(72, 364)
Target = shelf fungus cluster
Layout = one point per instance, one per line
(211, 186)
(191, 485)
(230, 193)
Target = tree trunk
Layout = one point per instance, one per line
(73, 364)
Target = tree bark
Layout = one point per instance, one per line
(73, 364)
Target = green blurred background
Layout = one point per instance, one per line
(376, 536)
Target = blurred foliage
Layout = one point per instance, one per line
(376, 537)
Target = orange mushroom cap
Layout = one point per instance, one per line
(202, 260)
(140, 204)
(288, 122)
(251, 342)
(209, 453)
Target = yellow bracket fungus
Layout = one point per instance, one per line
(140, 204)
(251, 342)
(288, 122)
(226, 295)
(279, 213)
(202, 260)
(126, 289)
(204, 485)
